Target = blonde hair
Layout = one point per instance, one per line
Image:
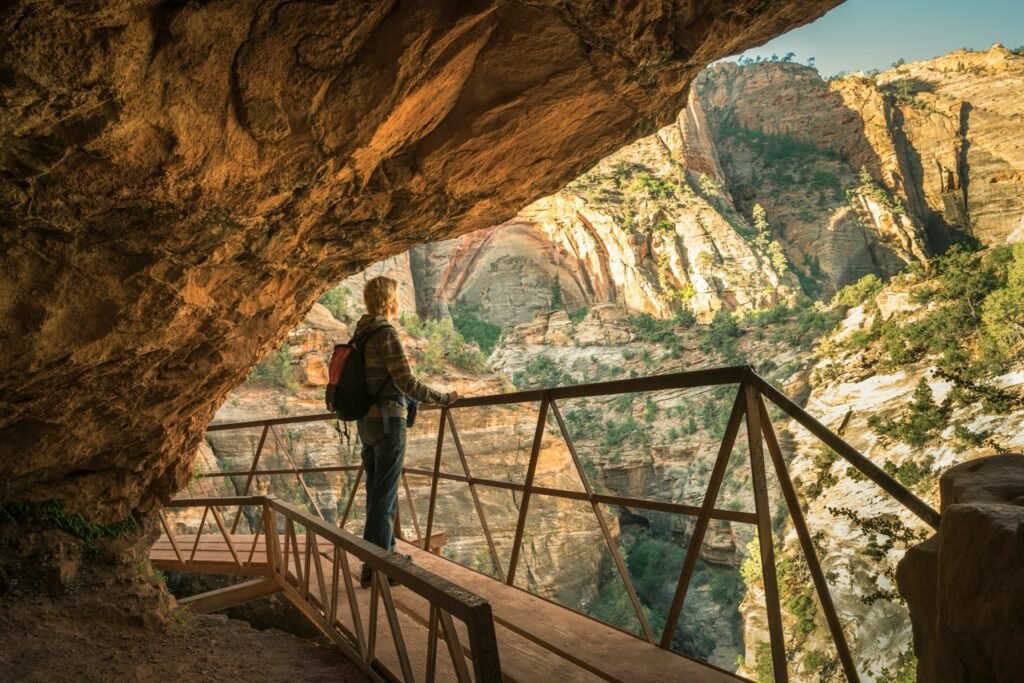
(380, 295)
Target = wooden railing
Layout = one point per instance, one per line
(749, 408)
(308, 560)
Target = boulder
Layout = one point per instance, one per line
(965, 585)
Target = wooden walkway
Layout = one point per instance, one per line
(537, 639)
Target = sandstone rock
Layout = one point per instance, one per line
(319, 318)
(965, 585)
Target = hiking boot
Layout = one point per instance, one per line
(366, 577)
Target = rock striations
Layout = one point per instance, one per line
(772, 181)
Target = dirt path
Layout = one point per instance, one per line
(81, 638)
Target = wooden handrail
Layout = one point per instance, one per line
(749, 408)
(860, 462)
(303, 579)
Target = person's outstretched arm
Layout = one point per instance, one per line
(401, 372)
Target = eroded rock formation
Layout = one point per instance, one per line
(965, 585)
(178, 182)
(853, 176)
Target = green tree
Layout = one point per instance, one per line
(557, 303)
(1002, 312)
(336, 300)
(923, 421)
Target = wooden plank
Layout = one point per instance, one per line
(521, 659)
(765, 537)
(538, 640)
(229, 596)
(807, 545)
(602, 650)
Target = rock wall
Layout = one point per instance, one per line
(180, 181)
(965, 584)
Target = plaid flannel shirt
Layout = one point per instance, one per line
(388, 373)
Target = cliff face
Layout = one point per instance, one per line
(178, 183)
(858, 175)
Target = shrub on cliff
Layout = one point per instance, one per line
(651, 329)
(868, 287)
(922, 422)
(336, 301)
(276, 369)
(475, 329)
(443, 342)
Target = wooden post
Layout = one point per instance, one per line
(476, 498)
(890, 485)
(431, 675)
(350, 592)
(225, 534)
(351, 497)
(807, 545)
(524, 505)
(433, 481)
(605, 530)
(764, 534)
(256, 539)
(703, 518)
(298, 475)
(396, 628)
(273, 546)
(170, 537)
(483, 644)
(412, 508)
(199, 533)
(252, 474)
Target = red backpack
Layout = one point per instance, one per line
(347, 394)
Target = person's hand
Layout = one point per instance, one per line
(453, 396)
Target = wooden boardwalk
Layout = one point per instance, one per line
(537, 639)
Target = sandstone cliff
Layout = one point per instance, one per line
(859, 175)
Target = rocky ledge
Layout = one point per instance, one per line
(965, 584)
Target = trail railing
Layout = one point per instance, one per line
(309, 561)
(749, 409)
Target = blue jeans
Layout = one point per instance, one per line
(383, 459)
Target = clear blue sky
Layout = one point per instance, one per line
(860, 35)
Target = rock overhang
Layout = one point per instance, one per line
(180, 181)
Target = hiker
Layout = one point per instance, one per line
(394, 388)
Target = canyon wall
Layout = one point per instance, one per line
(862, 174)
